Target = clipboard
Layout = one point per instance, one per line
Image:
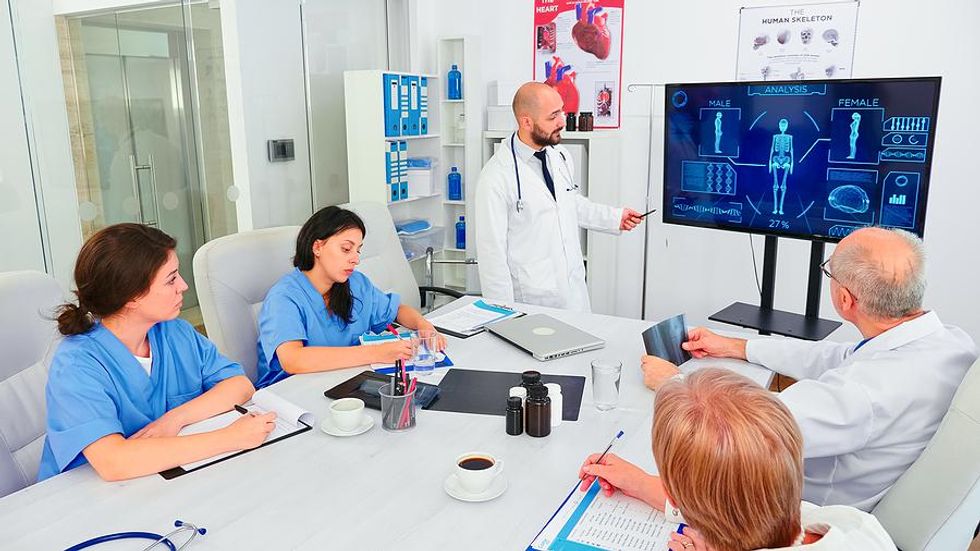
(603, 517)
(505, 311)
(175, 472)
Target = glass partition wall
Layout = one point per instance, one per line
(148, 121)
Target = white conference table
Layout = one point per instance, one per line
(378, 490)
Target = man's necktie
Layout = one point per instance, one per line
(543, 157)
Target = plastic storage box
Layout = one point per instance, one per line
(415, 245)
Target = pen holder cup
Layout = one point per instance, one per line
(397, 411)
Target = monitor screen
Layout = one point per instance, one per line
(810, 160)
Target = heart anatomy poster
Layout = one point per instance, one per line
(578, 51)
(803, 42)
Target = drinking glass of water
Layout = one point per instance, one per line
(426, 345)
(605, 383)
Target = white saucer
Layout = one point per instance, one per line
(328, 427)
(454, 489)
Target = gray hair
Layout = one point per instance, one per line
(883, 295)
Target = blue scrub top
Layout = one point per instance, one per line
(294, 311)
(96, 387)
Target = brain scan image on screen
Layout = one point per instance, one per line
(812, 160)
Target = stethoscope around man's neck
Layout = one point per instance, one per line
(517, 174)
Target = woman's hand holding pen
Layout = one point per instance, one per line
(615, 473)
(387, 353)
(250, 430)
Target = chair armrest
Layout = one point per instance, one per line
(423, 289)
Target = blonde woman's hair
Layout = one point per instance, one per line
(731, 458)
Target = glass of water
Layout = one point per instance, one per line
(425, 342)
(605, 383)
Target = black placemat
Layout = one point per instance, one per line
(485, 392)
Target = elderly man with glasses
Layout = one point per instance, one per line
(866, 409)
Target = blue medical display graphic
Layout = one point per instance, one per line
(810, 160)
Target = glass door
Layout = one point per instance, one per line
(134, 93)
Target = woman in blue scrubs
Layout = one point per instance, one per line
(312, 317)
(129, 375)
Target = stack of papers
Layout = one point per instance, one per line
(472, 318)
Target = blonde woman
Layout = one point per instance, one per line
(730, 461)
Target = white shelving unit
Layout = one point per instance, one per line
(367, 146)
(460, 148)
(595, 157)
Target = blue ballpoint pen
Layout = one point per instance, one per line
(609, 447)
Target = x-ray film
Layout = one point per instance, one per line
(664, 339)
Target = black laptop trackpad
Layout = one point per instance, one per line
(486, 392)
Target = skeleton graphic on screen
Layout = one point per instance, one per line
(780, 159)
(718, 132)
(853, 138)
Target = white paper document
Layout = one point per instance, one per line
(471, 319)
(590, 520)
(290, 419)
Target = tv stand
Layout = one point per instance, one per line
(769, 321)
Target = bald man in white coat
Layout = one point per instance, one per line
(528, 212)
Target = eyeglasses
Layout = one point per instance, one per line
(826, 272)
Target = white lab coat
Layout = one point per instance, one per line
(535, 256)
(843, 529)
(866, 415)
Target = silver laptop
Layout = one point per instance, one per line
(544, 337)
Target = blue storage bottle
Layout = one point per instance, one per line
(455, 81)
(455, 185)
(461, 233)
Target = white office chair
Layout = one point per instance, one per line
(383, 259)
(28, 339)
(935, 505)
(232, 275)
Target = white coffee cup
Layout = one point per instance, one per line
(476, 471)
(347, 413)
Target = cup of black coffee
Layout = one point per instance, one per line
(476, 471)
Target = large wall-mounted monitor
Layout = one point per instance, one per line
(809, 160)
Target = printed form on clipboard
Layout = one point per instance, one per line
(471, 319)
(590, 521)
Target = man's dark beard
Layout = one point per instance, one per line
(541, 139)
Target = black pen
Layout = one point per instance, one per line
(651, 211)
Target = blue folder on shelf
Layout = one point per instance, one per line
(423, 106)
(404, 104)
(392, 107)
(402, 170)
(413, 105)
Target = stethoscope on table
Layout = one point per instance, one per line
(157, 538)
(517, 175)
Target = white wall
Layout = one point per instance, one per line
(266, 100)
(41, 182)
(18, 211)
(699, 271)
